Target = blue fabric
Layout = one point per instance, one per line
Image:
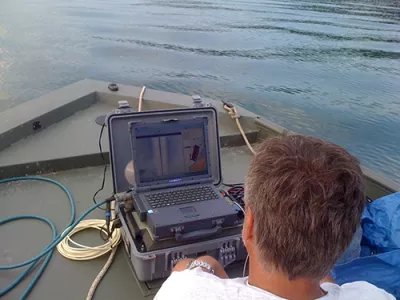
(379, 261)
(354, 249)
(381, 224)
(382, 270)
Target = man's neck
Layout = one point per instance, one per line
(279, 285)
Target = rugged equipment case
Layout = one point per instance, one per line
(155, 259)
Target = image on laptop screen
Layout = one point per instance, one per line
(170, 152)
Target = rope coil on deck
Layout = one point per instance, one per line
(76, 251)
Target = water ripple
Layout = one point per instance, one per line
(322, 35)
(332, 9)
(264, 53)
(327, 23)
(188, 28)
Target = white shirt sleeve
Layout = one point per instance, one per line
(360, 290)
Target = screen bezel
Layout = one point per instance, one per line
(172, 182)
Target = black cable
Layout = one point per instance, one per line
(101, 233)
(109, 232)
(237, 193)
(101, 135)
(105, 167)
(234, 200)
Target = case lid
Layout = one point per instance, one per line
(124, 130)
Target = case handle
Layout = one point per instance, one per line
(199, 234)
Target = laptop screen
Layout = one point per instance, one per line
(170, 152)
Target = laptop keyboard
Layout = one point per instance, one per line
(188, 195)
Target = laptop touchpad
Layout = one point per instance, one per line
(189, 212)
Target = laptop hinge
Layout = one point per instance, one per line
(203, 181)
(155, 188)
(143, 189)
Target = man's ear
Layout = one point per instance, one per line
(248, 228)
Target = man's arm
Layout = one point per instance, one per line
(217, 267)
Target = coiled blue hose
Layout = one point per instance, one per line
(48, 250)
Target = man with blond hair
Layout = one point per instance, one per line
(304, 198)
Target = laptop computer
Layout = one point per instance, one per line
(176, 161)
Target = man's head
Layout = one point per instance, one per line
(304, 199)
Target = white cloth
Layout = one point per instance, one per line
(199, 285)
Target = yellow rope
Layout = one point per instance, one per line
(234, 115)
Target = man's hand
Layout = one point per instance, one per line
(218, 268)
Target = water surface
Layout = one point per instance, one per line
(325, 68)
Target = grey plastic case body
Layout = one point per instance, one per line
(158, 264)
